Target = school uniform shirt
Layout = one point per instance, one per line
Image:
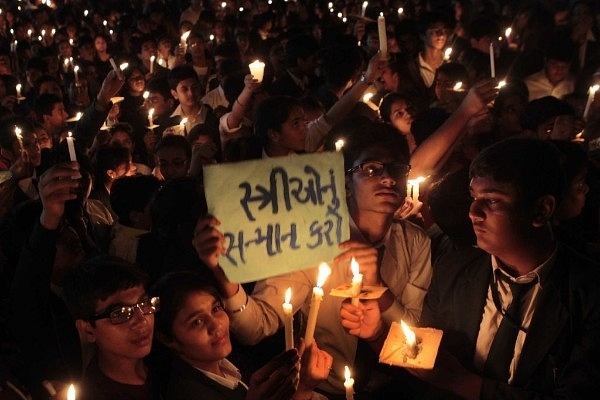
(539, 86)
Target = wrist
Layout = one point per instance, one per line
(379, 333)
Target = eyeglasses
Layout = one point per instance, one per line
(374, 168)
(122, 314)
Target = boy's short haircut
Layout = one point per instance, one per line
(132, 193)
(531, 166)
(301, 46)
(175, 141)
(181, 73)
(431, 18)
(271, 113)
(95, 280)
(44, 104)
(138, 41)
(233, 85)
(122, 127)
(483, 26)
(160, 86)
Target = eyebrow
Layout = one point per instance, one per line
(121, 304)
(196, 313)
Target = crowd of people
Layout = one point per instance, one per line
(109, 260)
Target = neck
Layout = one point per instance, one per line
(433, 57)
(274, 150)
(523, 262)
(208, 366)
(372, 225)
(190, 111)
(123, 370)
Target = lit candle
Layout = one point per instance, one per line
(183, 125)
(348, 384)
(400, 11)
(145, 95)
(76, 72)
(288, 316)
(492, 61)
(382, 36)
(339, 144)
(183, 42)
(458, 87)
(414, 185)
(411, 350)
(507, 32)
(501, 84)
(13, 46)
(85, 13)
(19, 136)
(363, 10)
(152, 58)
(367, 100)
(357, 279)
(150, 118)
(123, 66)
(65, 65)
(590, 100)
(447, 54)
(315, 303)
(71, 392)
(117, 70)
(18, 87)
(257, 70)
(71, 147)
(29, 32)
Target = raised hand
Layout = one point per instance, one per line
(314, 368)
(276, 380)
(57, 186)
(364, 320)
(208, 241)
(366, 256)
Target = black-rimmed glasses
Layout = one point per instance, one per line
(375, 168)
(122, 314)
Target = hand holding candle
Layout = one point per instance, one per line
(357, 280)
(257, 70)
(348, 384)
(315, 303)
(288, 314)
(19, 136)
(363, 9)
(71, 147)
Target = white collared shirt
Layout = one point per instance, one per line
(232, 377)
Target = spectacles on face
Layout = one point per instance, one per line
(372, 169)
(122, 314)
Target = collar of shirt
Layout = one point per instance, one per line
(232, 377)
(540, 272)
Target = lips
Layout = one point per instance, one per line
(143, 340)
(221, 340)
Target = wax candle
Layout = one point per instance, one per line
(116, 69)
(152, 58)
(76, 72)
(19, 136)
(507, 32)
(315, 303)
(492, 61)
(123, 66)
(501, 84)
(357, 279)
(363, 10)
(257, 70)
(447, 54)
(71, 147)
(367, 100)
(411, 349)
(65, 65)
(183, 42)
(591, 94)
(71, 392)
(183, 125)
(400, 11)
(413, 185)
(382, 36)
(348, 384)
(145, 95)
(339, 144)
(288, 315)
(150, 118)
(18, 87)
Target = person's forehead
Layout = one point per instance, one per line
(378, 152)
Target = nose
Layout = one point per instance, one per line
(387, 179)
(475, 213)
(139, 317)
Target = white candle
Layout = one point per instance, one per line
(501, 84)
(145, 95)
(71, 147)
(315, 303)
(19, 136)
(591, 95)
(123, 66)
(18, 87)
(152, 58)
(507, 32)
(382, 36)
(357, 279)
(339, 144)
(411, 341)
(363, 10)
(183, 41)
(492, 61)
(367, 100)
(183, 125)
(400, 11)
(76, 72)
(414, 185)
(447, 53)
(257, 70)
(288, 315)
(348, 384)
(116, 69)
(150, 118)
(71, 392)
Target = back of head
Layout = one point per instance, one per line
(132, 193)
(483, 26)
(560, 47)
(95, 280)
(541, 110)
(109, 157)
(301, 46)
(430, 18)
(531, 166)
(44, 105)
(160, 86)
(175, 141)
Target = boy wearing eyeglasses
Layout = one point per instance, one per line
(107, 297)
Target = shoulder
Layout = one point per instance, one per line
(411, 231)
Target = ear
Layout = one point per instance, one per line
(273, 135)
(111, 174)
(174, 94)
(86, 331)
(544, 210)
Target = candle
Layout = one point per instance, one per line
(367, 100)
(19, 136)
(348, 384)
(145, 95)
(507, 32)
(118, 70)
(414, 185)
(339, 144)
(150, 119)
(501, 84)
(76, 72)
(492, 61)
(71, 392)
(288, 316)
(18, 87)
(65, 65)
(183, 42)
(382, 36)
(183, 125)
(412, 349)
(152, 58)
(257, 70)
(364, 8)
(13, 46)
(458, 87)
(400, 11)
(71, 147)
(591, 95)
(357, 279)
(447, 53)
(315, 303)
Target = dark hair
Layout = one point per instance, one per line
(541, 110)
(428, 19)
(175, 141)
(233, 85)
(340, 64)
(173, 290)
(531, 166)
(360, 134)
(109, 157)
(271, 113)
(574, 158)
(132, 193)
(455, 71)
(95, 280)
(385, 107)
(122, 127)
(43, 79)
(44, 104)
(301, 46)
(483, 26)
(160, 86)
(181, 73)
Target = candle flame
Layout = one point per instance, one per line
(507, 32)
(367, 97)
(447, 53)
(123, 66)
(152, 58)
(457, 86)
(183, 121)
(411, 338)
(185, 35)
(347, 374)
(416, 181)
(71, 392)
(288, 295)
(594, 89)
(400, 10)
(501, 84)
(150, 113)
(70, 134)
(146, 95)
(354, 266)
(66, 61)
(18, 132)
(324, 272)
(76, 68)
(339, 144)
(19, 87)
